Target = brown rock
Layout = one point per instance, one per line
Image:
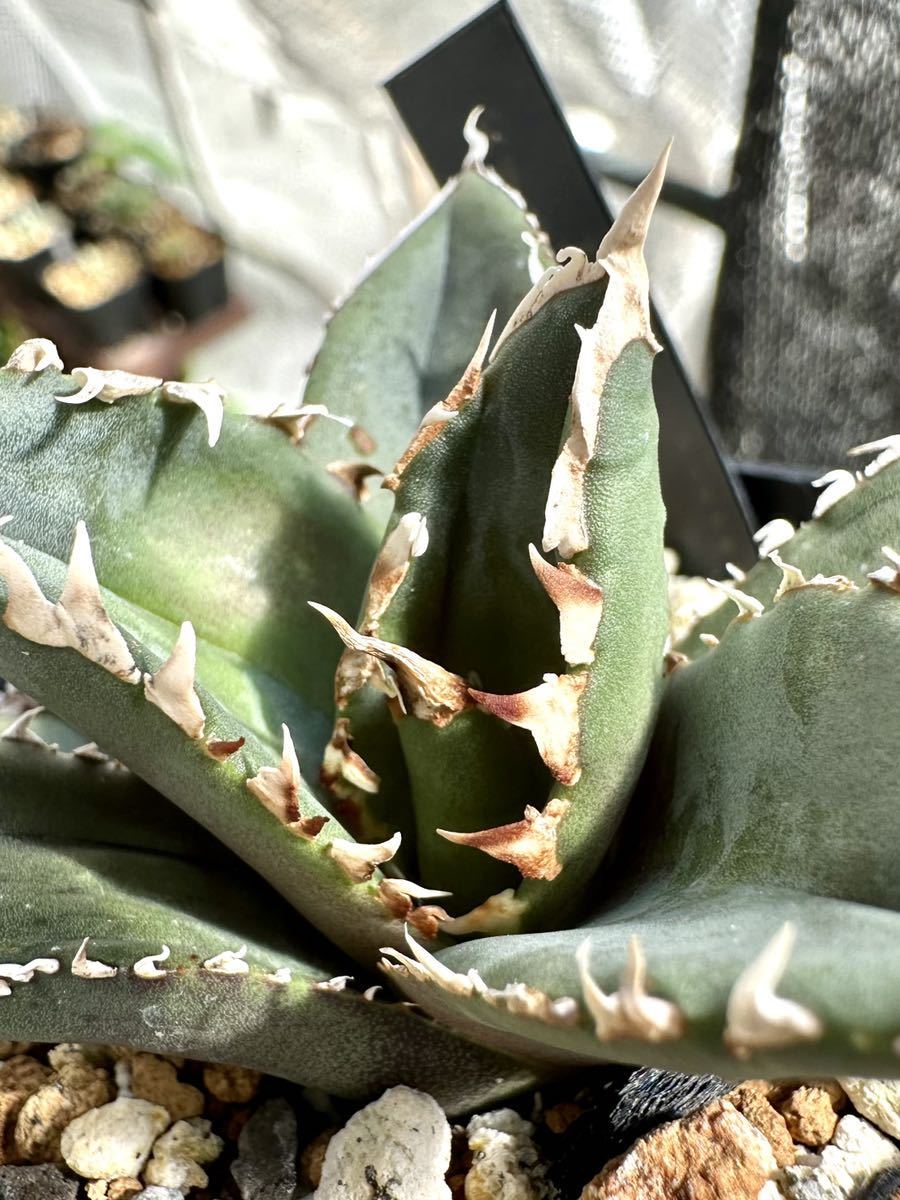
(750, 1099)
(561, 1116)
(313, 1157)
(235, 1120)
(810, 1116)
(460, 1163)
(8, 1049)
(20, 1077)
(156, 1080)
(74, 1090)
(114, 1189)
(71, 1053)
(715, 1155)
(233, 1085)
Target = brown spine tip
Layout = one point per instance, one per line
(220, 750)
(278, 789)
(579, 601)
(354, 476)
(344, 772)
(550, 713)
(529, 844)
(427, 690)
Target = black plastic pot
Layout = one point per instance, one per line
(23, 275)
(197, 295)
(41, 169)
(126, 313)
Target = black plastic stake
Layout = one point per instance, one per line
(489, 62)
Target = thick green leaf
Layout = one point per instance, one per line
(770, 797)
(486, 477)
(845, 540)
(233, 537)
(394, 348)
(401, 340)
(103, 856)
(117, 715)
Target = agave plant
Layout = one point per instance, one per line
(469, 757)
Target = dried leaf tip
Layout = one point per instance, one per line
(529, 845)
(629, 1012)
(25, 972)
(229, 962)
(476, 139)
(550, 713)
(354, 476)
(278, 788)
(90, 631)
(793, 579)
(748, 606)
(171, 688)
(579, 601)
(86, 968)
(342, 768)
(501, 913)
(78, 619)
(296, 420)
(281, 978)
(358, 860)
(220, 750)
(757, 1018)
(427, 969)
(406, 541)
(837, 485)
(33, 356)
(147, 968)
(629, 230)
(888, 576)
(209, 397)
(398, 897)
(772, 536)
(430, 692)
(886, 449)
(19, 730)
(624, 318)
(108, 386)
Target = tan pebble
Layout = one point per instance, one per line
(156, 1080)
(123, 1189)
(179, 1153)
(717, 1154)
(313, 1156)
(505, 1161)
(114, 1189)
(114, 1141)
(750, 1099)
(20, 1077)
(8, 1049)
(810, 1116)
(22, 1073)
(233, 1085)
(83, 1054)
(73, 1090)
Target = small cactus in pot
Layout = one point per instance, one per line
(446, 749)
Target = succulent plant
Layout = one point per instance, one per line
(450, 741)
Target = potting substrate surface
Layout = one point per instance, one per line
(111, 1123)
